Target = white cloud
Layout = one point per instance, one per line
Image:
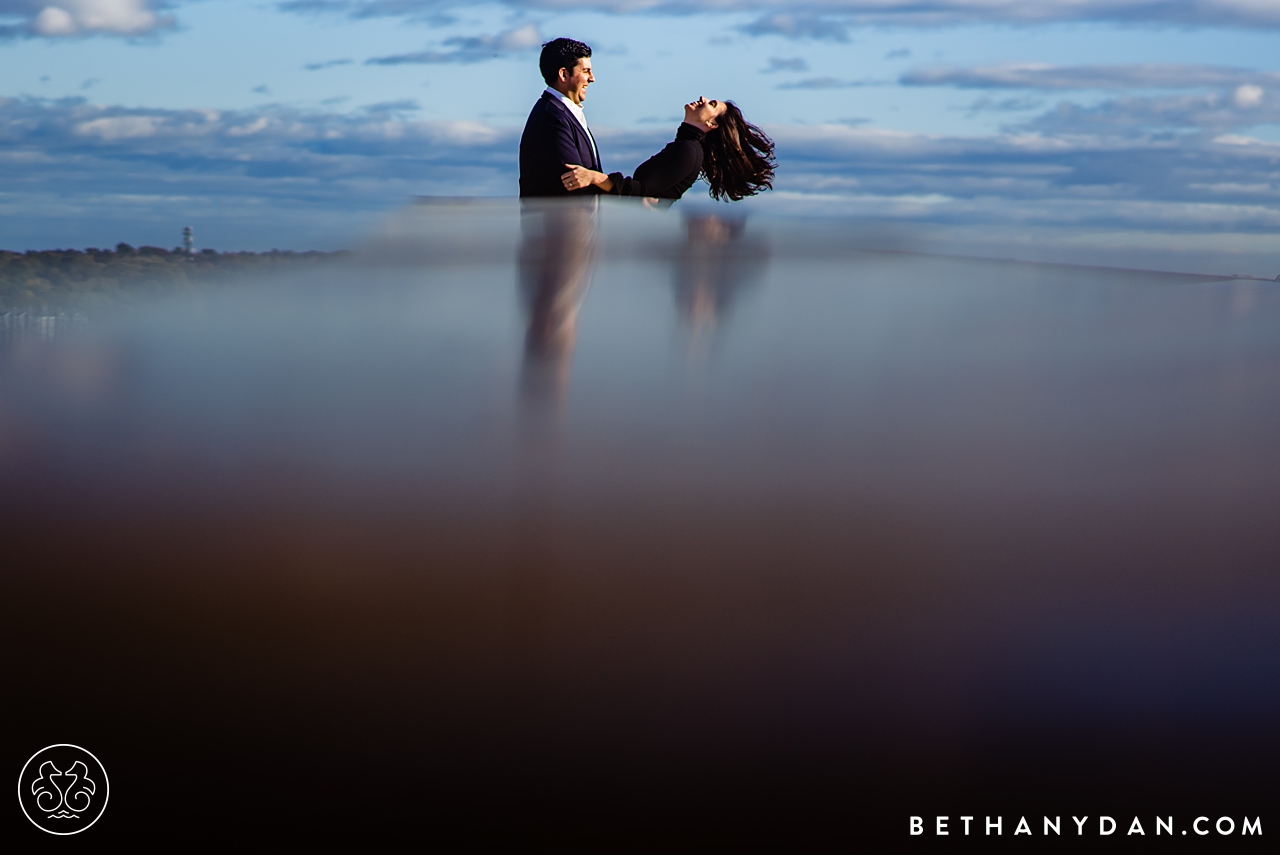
(65, 18)
(520, 38)
(53, 21)
(1252, 142)
(118, 127)
(251, 128)
(1249, 95)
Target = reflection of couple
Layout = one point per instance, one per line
(556, 257)
(558, 154)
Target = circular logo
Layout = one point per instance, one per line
(63, 789)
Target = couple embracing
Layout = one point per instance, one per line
(558, 154)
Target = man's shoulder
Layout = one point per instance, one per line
(548, 109)
(538, 117)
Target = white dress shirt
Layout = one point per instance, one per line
(581, 116)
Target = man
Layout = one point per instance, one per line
(556, 134)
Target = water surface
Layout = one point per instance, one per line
(600, 525)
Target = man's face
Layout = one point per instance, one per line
(574, 81)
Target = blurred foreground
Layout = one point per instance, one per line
(613, 528)
(35, 285)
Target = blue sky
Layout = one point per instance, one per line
(299, 124)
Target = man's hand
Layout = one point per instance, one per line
(579, 176)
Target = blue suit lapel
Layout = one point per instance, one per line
(595, 151)
(580, 135)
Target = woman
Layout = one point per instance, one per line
(715, 141)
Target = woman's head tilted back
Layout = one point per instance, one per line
(737, 158)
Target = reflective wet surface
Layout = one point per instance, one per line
(628, 526)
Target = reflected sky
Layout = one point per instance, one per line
(689, 483)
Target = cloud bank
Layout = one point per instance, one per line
(465, 49)
(1213, 114)
(1243, 97)
(1041, 76)
(831, 19)
(1172, 164)
(794, 26)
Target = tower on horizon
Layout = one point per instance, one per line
(188, 240)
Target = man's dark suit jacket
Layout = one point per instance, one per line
(553, 137)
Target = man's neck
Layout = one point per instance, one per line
(567, 96)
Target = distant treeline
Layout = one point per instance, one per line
(71, 280)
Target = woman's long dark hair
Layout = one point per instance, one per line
(737, 158)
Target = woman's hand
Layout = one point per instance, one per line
(579, 176)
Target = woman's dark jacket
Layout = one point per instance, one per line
(668, 173)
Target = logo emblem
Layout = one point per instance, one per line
(63, 789)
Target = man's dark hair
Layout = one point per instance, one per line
(558, 54)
